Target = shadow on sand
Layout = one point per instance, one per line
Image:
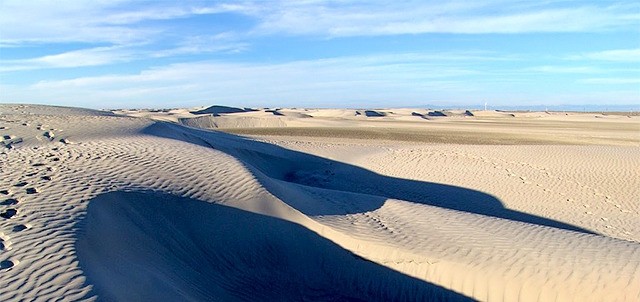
(149, 246)
(295, 167)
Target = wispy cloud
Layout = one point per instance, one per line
(350, 79)
(116, 22)
(98, 56)
(77, 58)
(611, 81)
(199, 44)
(356, 18)
(564, 69)
(615, 55)
(120, 22)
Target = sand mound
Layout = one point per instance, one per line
(493, 113)
(450, 113)
(214, 122)
(289, 113)
(331, 113)
(30, 109)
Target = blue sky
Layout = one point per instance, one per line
(313, 53)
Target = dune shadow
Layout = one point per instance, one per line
(217, 110)
(373, 113)
(151, 246)
(281, 164)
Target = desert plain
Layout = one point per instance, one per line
(288, 204)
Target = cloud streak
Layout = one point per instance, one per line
(77, 58)
(115, 22)
(557, 69)
(460, 17)
(354, 80)
(99, 56)
(121, 22)
(612, 81)
(615, 55)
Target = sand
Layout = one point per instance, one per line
(318, 204)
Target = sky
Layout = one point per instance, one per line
(315, 53)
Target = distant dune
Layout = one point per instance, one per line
(318, 205)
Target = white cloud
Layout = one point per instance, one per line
(117, 54)
(611, 81)
(115, 22)
(77, 58)
(356, 18)
(564, 69)
(223, 42)
(615, 55)
(121, 22)
(409, 77)
(344, 81)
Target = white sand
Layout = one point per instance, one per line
(423, 208)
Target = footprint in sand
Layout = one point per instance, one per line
(46, 177)
(5, 244)
(5, 192)
(9, 202)
(49, 134)
(32, 191)
(21, 184)
(38, 165)
(20, 227)
(7, 264)
(8, 213)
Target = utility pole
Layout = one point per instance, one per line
(485, 106)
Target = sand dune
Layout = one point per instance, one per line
(154, 208)
(186, 249)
